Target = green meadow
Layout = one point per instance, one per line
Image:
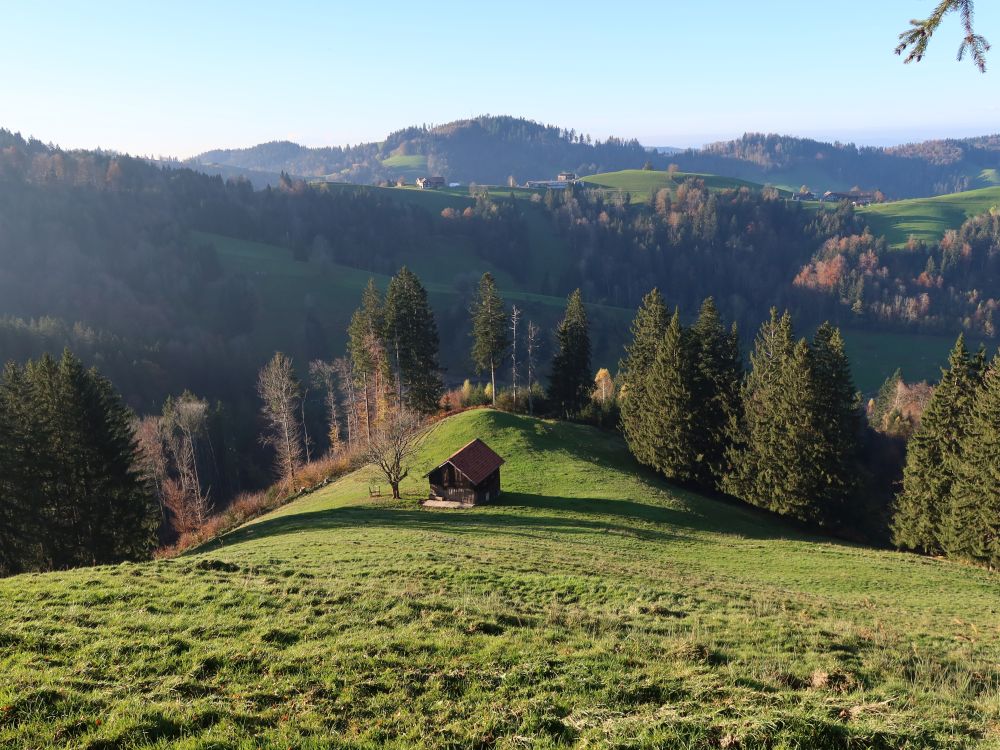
(643, 183)
(928, 219)
(593, 607)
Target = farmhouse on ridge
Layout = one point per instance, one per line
(430, 182)
(469, 476)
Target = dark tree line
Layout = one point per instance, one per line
(71, 491)
(785, 435)
(949, 502)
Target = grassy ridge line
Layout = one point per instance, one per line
(641, 183)
(595, 606)
(927, 219)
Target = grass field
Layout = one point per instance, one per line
(593, 607)
(875, 356)
(287, 289)
(642, 183)
(927, 219)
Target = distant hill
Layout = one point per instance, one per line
(911, 170)
(483, 149)
(490, 150)
(928, 219)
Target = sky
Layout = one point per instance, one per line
(179, 78)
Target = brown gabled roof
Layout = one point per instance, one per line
(476, 460)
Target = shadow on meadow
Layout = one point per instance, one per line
(521, 514)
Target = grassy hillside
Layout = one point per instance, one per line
(592, 607)
(288, 289)
(641, 183)
(927, 219)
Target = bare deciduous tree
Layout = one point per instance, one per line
(345, 374)
(394, 441)
(279, 391)
(323, 376)
(183, 426)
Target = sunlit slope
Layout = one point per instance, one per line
(642, 183)
(928, 219)
(593, 607)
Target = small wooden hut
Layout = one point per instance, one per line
(469, 476)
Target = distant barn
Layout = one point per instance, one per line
(469, 476)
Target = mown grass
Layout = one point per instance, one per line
(593, 607)
(927, 219)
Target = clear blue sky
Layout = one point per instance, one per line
(181, 77)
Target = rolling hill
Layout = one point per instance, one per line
(594, 606)
(488, 149)
(642, 183)
(927, 219)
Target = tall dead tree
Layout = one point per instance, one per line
(279, 391)
(532, 347)
(515, 318)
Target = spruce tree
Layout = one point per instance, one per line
(717, 373)
(774, 457)
(837, 411)
(489, 329)
(648, 330)
(71, 474)
(413, 342)
(569, 383)
(750, 465)
(970, 523)
(796, 470)
(932, 455)
(367, 324)
(671, 407)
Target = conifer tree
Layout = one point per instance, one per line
(413, 342)
(489, 330)
(750, 462)
(569, 383)
(775, 445)
(970, 524)
(836, 410)
(648, 330)
(671, 405)
(71, 479)
(717, 373)
(932, 455)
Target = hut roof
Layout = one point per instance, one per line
(476, 460)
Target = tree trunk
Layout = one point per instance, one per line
(493, 382)
(395, 490)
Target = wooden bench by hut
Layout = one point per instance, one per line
(469, 476)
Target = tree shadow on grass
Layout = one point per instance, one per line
(520, 514)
